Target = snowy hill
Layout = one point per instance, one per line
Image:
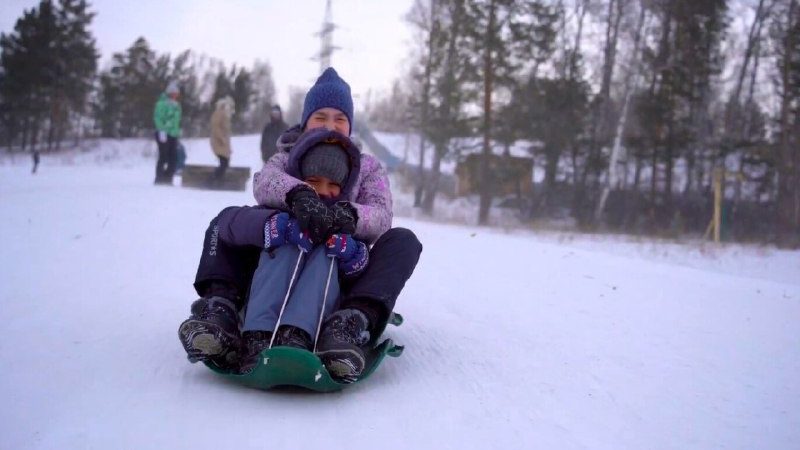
(513, 339)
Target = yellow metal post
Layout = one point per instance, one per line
(717, 204)
(715, 225)
(716, 218)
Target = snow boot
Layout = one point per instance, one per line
(211, 333)
(289, 336)
(340, 344)
(254, 342)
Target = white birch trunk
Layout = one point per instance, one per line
(631, 79)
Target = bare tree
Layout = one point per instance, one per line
(424, 16)
(630, 83)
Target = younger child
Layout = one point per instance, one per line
(328, 162)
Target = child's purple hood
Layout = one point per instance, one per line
(308, 140)
(368, 191)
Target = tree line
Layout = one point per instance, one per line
(51, 88)
(630, 108)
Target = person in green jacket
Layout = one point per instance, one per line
(167, 119)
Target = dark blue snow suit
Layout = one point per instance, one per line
(234, 242)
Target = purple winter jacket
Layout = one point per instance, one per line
(369, 192)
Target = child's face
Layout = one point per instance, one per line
(324, 187)
(330, 118)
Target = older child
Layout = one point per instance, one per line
(225, 270)
(366, 209)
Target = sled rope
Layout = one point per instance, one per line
(324, 301)
(286, 298)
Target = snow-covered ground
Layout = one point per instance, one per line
(514, 339)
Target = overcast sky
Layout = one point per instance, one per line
(373, 37)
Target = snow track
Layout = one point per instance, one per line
(513, 339)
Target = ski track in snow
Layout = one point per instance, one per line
(513, 339)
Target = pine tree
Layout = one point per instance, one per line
(76, 67)
(194, 115)
(223, 87)
(506, 36)
(263, 96)
(452, 70)
(785, 36)
(242, 94)
(19, 77)
(48, 64)
(551, 111)
(675, 110)
(129, 90)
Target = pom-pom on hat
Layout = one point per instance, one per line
(330, 91)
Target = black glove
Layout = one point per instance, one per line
(311, 213)
(344, 218)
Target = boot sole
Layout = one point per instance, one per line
(346, 365)
(204, 341)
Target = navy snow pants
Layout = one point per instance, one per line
(392, 260)
(303, 308)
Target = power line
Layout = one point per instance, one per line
(326, 39)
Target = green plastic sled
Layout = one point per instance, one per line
(288, 366)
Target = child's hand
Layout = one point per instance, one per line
(344, 218)
(281, 229)
(353, 255)
(312, 214)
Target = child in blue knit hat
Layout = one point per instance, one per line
(366, 213)
(328, 104)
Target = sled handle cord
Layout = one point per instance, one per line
(324, 301)
(286, 298)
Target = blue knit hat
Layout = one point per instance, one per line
(330, 91)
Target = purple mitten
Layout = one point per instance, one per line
(282, 229)
(353, 255)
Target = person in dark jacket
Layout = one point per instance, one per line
(329, 163)
(36, 159)
(272, 131)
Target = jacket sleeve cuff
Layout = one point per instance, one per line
(243, 226)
